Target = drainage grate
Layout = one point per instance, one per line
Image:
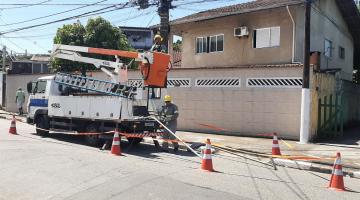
(217, 82)
(281, 82)
(179, 82)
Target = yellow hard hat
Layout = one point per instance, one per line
(167, 98)
(157, 36)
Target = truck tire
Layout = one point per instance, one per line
(134, 141)
(92, 140)
(42, 122)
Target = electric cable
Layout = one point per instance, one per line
(26, 5)
(47, 16)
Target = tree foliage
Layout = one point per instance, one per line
(98, 33)
(177, 45)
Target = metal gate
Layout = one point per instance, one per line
(330, 117)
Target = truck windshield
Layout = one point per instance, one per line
(40, 87)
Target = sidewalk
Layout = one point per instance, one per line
(350, 153)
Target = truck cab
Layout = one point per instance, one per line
(39, 91)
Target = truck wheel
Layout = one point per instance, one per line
(43, 124)
(134, 141)
(92, 140)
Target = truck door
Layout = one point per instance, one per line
(38, 98)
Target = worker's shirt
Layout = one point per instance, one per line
(170, 112)
(20, 96)
(158, 48)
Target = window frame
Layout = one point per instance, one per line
(216, 42)
(331, 48)
(342, 53)
(255, 37)
(202, 45)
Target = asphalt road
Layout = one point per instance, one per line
(62, 167)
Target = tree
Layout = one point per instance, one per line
(69, 34)
(98, 33)
(177, 45)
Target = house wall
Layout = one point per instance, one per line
(237, 51)
(326, 23)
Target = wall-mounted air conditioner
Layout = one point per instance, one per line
(241, 31)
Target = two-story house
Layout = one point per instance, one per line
(241, 65)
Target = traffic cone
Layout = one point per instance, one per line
(336, 180)
(115, 147)
(206, 162)
(275, 146)
(12, 129)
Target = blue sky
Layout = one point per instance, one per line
(40, 39)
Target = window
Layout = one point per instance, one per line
(266, 37)
(342, 52)
(217, 43)
(328, 48)
(40, 87)
(210, 44)
(201, 45)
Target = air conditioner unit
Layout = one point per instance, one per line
(241, 31)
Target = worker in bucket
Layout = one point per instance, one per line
(157, 46)
(19, 100)
(168, 116)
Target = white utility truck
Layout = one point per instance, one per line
(76, 103)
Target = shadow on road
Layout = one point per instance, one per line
(143, 149)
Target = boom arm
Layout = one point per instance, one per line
(153, 65)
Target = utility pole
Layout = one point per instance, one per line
(305, 96)
(3, 59)
(163, 11)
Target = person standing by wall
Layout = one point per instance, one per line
(20, 99)
(168, 115)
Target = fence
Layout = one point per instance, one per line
(330, 117)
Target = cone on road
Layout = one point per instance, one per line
(337, 180)
(275, 146)
(115, 148)
(206, 162)
(12, 129)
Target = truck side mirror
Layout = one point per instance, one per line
(29, 87)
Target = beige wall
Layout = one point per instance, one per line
(326, 23)
(237, 51)
(243, 110)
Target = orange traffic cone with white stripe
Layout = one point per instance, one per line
(12, 129)
(115, 147)
(275, 146)
(206, 162)
(336, 180)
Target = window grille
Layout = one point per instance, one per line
(179, 82)
(136, 83)
(274, 82)
(217, 82)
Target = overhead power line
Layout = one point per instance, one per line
(55, 4)
(47, 16)
(86, 14)
(97, 12)
(24, 5)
